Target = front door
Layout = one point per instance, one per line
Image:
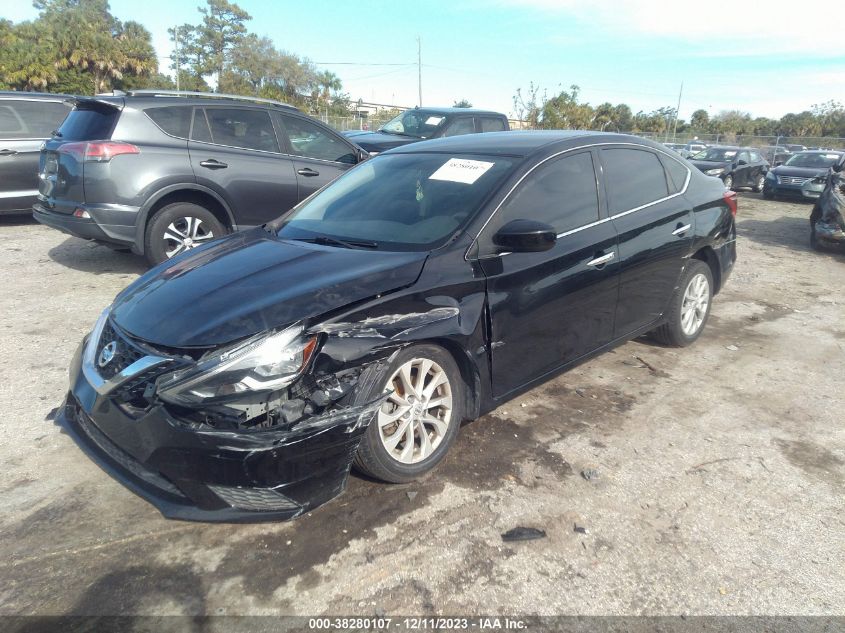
(550, 308)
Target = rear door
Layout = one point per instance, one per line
(551, 308)
(743, 170)
(319, 155)
(491, 124)
(655, 226)
(24, 125)
(235, 152)
(460, 125)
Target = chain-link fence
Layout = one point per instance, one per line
(371, 122)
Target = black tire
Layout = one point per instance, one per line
(156, 246)
(373, 458)
(758, 183)
(729, 181)
(814, 240)
(672, 331)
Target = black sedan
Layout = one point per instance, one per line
(241, 380)
(802, 176)
(736, 166)
(419, 124)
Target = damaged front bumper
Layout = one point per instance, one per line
(194, 472)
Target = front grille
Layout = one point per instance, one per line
(792, 180)
(122, 459)
(256, 499)
(125, 353)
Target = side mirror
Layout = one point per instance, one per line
(525, 236)
(362, 154)
(741, 162)
(778, 163)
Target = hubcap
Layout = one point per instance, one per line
(415, 418)
(184, 234)
(694, 307)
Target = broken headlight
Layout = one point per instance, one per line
(262, 363)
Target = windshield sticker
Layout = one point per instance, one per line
(433, 120)
(461, 170)
(831, 156)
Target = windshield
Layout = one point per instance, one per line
(716, 154)
(809, 159)
(414, 123)
(401, 202)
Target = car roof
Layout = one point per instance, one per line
(517, 143)
(173, 97)
(20, 94)
(453, 110)
(821, 151)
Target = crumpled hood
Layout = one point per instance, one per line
(251, 282)
(804, 172)
(704, 165)
(378, 141)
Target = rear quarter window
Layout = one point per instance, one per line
(173, 120)
(633, 178)
(88, 124)
(676, 174)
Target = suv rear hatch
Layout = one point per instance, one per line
(84, 136)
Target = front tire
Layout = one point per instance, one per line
(814, 239)
(178, 227)
(729, 181)
(690, 307)
(413, 430)
(758, 183)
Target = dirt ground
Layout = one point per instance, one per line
(720, 488)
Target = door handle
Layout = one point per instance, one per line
(681, 229)
(307, 172)
(212, 163)
(8, 152)
(601, 260)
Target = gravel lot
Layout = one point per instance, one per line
(720, 491)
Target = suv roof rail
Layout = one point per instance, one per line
(207, 95)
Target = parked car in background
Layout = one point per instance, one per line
(675, 147)
(736, 166)
(796, 148)
(27, 119)
(802, 176)
(776, 155)
(433, 283)
(693, 147)
(419, 124)
(160, 172)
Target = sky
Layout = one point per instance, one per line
(765, 59)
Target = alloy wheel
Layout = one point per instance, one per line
(694, 306)
(184, 234)
(416, 416)
(729, 181)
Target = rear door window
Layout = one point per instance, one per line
(311, 141)
(492, 124)
(173, 120)
(242, 127)
(633, 178)
(11, 123)
(89, 124)
(200, 130)
(31, 119)
(464, 125)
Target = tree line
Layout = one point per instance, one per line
(79, 47)
(566, 111)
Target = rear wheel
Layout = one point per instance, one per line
(690, 307)
(814, 239)
(415, 427)
(759, 181)
(179, 227)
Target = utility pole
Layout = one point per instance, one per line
(419, 68)
(677, 111)
(178, 64)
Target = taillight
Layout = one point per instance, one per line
(97, 151)
(730, 197)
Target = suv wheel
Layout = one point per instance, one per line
(759, 181)
(729, 181)
(179, 227)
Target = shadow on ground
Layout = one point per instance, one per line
(91, 257)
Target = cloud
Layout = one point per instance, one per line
(719, 28)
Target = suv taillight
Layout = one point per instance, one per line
(730, 197)
(98, 151)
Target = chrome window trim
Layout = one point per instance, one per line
(591, 224)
